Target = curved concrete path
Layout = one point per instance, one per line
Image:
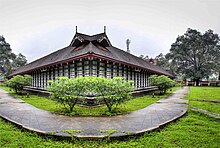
(147, 119)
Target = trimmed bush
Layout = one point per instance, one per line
(18, 82)
(162, 82)
(68, 91)
(113, 91)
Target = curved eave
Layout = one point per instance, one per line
(48, 65)
(90, 55)
(132, 65)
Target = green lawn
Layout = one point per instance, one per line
(205, 93)
(50, 105)
(193, 130)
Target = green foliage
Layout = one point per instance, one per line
(162, 82)
(68, 91)
(6, 56)
(9, 60)
(18, 82)
(195, 55)
(19, 61)
(162, 61)
(113, 91)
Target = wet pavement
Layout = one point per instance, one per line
(147, 119)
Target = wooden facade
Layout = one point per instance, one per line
(96, 67)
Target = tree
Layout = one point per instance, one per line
(6, 57)
(162, 61)
(195, 55)
(146, 58)
(162, 82)
(9, 60)
(18, 82)
(19, 61)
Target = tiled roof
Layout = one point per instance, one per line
(90, 47)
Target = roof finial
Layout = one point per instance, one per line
(76, 29)
(104, 29)
(127, 43)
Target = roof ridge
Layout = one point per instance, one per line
(90, 35)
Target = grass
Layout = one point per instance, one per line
(193, 130)
(50, 105)
(205, 93)
(209, 106)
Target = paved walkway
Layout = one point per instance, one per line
(147, 119)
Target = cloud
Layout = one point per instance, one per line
(36, 28)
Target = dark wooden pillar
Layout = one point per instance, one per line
(112, 70)
(122, 72)
(58, 71)
(117, 70)
(34, 78)
(135, 84)
(37, 82)
(43, 84)
(98, 68)
(63, 70)
(131, 73)
(90, 68)
(145, 79)
(54, 74)
(49, 73)
(46, 73)
(36, 75)
(69, 70)
(83, 68)
(40, 80)
(105, 70)
(75, 68)
(138, 79)
(127, 73)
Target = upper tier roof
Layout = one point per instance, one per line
(96, 45)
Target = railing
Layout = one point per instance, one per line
(201, 83)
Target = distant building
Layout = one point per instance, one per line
(90, 56)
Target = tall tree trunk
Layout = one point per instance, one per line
(219, 75)
(197, 82)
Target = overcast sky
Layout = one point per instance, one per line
(38, 27)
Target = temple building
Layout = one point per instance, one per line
(90, 56)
